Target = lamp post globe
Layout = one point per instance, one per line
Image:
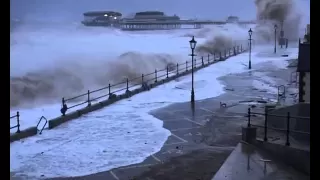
(193, 43)
(250, 32)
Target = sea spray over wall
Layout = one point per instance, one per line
(75, 77)
(284, 13)
(222, 38)
(48, 63)
(281, 12)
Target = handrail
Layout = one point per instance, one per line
(17, 116)
(145, 79)
(46, 121)
(287, 130)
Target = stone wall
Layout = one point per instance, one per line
(295, 157)
(24, 134)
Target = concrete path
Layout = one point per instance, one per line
(248, 163)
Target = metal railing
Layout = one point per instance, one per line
(44, 125)
(17, 116)
(144, 80)
(288, 131)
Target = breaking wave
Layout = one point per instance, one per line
(75, 77)
(222, 38)
(49, 64)
(43, 70)
(287, 14)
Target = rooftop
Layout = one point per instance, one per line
(148, 13)
(102, 13)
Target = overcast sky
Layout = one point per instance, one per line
(73, 9)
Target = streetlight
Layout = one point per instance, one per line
(250, 39)
(281, 35)
(275, 38)
(193, 44)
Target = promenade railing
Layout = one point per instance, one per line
(287, 119)
(126, 86)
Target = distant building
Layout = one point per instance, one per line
(304, 69)
(232, 19)
(155, 16)
(101, 18)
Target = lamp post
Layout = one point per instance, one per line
(275, 38)
(281, 35)
(250, 39)
(193, 44)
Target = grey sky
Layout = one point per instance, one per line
(73, 9)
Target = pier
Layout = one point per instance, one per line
(169, 25)
(148, 20)
(163, 25)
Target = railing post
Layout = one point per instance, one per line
(63, 101)
(288, 129)
(208, 58)
(249, 117)
(18, 122)
(142, 77)
(109, 88)
(225, 53)
(195, 63)
(186, 65)
(89, 102)
(214, 56)
(127, 84)
(220, 55)
(64, 107)
(177, 68)
(229, 52)
(265, 125)
(167, 72)
(241, 47)
(202, 61)
(156, 75)
(234, 51)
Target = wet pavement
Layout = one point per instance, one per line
(248, 163)
(205, 134)
(193, 130)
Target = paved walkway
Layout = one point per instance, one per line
(190, 132)
(248, 163)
